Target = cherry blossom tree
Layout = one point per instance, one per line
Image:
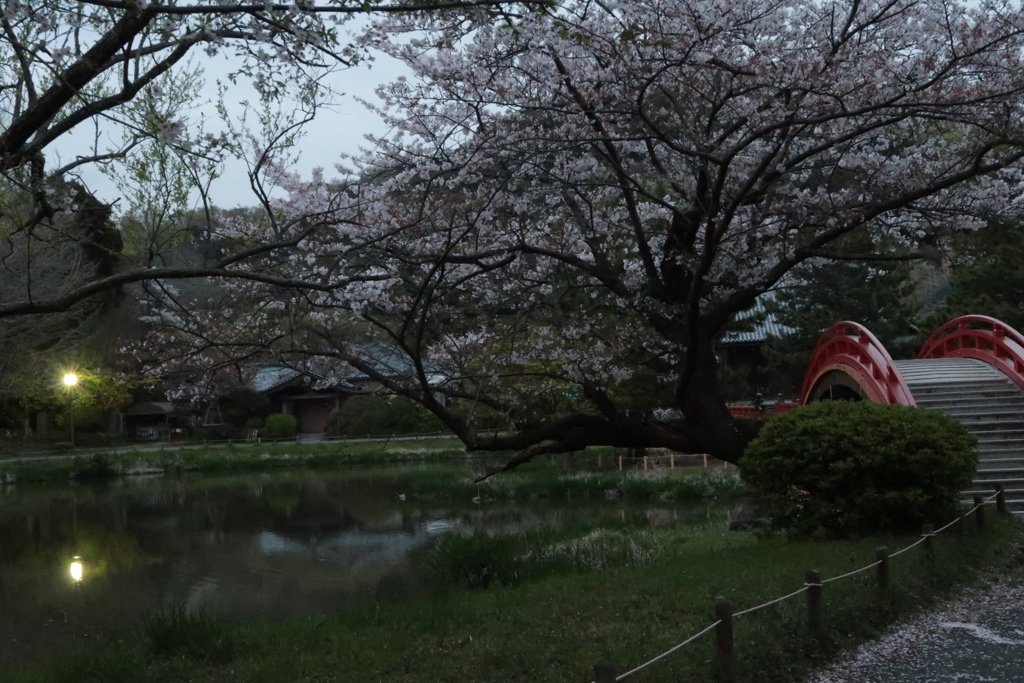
(579, 200)
(101, 69)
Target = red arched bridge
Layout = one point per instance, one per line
(971, 368)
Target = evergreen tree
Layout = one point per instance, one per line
(990, 278)
(876, 295)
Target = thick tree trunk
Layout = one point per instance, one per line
(706, 419)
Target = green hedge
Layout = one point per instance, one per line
(858, 468)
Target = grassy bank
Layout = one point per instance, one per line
(226, 458)
(590, 475)
(545, 605)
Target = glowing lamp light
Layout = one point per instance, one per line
(70, 379)
(76, 570)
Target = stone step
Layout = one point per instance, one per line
(990, 405)
(946, 369)
(968, 413)
(942, 383)
(989, 478)
(994, 435)
(941, 387)
(987, 453)
(1012, 394)
(1003, 445)
(991, 463)
(980, 426)
(926, 398)
(991, 456)
(946, 379)
(964, 408)
(969, 400)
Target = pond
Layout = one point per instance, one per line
(80, 562)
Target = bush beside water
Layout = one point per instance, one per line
(859, 468)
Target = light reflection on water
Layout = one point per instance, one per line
(76, 562)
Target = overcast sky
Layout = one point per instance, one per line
(337, 130)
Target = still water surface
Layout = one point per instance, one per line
(81, 562)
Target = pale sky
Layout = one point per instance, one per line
(337, 130)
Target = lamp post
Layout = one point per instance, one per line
(70, 380)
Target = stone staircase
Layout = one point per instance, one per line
(992, 408)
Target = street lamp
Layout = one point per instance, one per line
(70, 380)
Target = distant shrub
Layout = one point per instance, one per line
(96, 466)
(846, 469)
(280, 426)
(382, 416)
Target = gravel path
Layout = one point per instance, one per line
(978, 636)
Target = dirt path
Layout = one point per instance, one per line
(978, 636)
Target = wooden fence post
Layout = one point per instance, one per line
(882, 570)
(604, 672)
(979, 512)
(928, 532)
(724, 643)
(672, 461)
(1000, 499)
(814, 603)
(620, 463)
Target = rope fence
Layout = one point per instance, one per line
(605, 672)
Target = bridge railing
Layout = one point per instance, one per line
(851, 348)
(982, 338)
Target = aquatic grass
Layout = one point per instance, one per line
(177, 632)
(547, 481)
(479, 560)
(603, 548)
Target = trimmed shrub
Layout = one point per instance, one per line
(846, 469)
(280, 426)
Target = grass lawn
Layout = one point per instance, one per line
(555, 602)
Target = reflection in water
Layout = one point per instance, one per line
(262, 547)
